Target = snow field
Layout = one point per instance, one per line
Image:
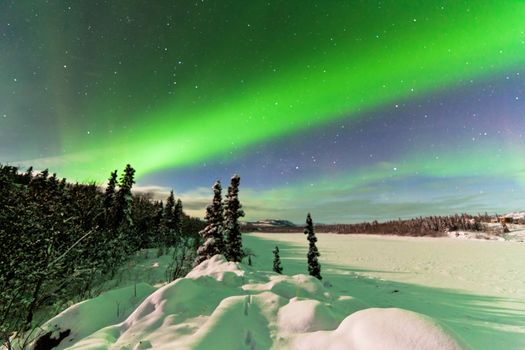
(225, 305)
(476, 289)
(380, 329)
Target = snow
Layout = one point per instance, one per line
(90, 315)
(376, 293)
(380, 329)
(475, 235)
(475, 288)
(517, 232)
(299, 316)
(516, 215)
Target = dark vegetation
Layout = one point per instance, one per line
(434, 226)
(314, 267)
(58, 240)
(47, 341)
(422, 226)
(277, 261)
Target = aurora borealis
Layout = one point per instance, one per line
(353, 110)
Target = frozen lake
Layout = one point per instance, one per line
(474, 288)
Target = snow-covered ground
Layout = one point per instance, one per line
(516, 233)
(474, 287)
(376, 293)
(517, 215)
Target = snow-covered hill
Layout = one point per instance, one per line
(494, 233)
(225, 305)
(517, 215)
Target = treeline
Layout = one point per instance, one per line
(59, 239)
(434, 226)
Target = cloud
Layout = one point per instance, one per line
(194, 201)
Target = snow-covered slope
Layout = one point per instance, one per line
(495, 233)
(516, 215)
(225, 305)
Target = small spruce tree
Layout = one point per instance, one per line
(232, 229)
(314, 268)
(277, 261)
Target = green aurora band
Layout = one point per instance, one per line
(503, 166)
(341, 79)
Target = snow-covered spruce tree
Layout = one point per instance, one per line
(232, 229)
(212, 235)
(277, 261)
(314, 268)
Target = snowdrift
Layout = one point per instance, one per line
(225, 305)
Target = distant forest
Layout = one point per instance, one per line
(433, 226)
(59, 240)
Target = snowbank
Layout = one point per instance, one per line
(224, 305)
(380, 329)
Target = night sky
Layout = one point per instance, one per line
(353, 110)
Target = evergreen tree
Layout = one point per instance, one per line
(27, 177)
(212, 234)
(232, 214)
(160, 228)
(277, 261)
(107, 220)
(126, 240)
(178, 215)
(63, 184)
(124, 198)
(143, 220)
(314, 268)
(109, 195)
(170, 221)
(38, 183)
